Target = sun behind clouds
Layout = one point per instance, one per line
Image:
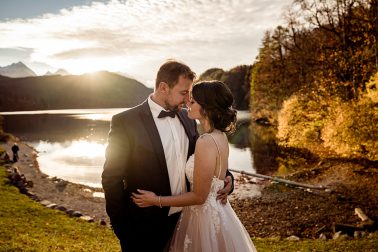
(94, 64)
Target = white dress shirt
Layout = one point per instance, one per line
(175, 144)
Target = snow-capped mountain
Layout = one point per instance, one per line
(17, 70)
(60, 71)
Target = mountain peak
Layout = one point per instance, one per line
(20, 63)
(17, 70)
(60, 71)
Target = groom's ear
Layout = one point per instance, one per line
(163, 87)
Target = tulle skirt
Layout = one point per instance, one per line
(210, 227)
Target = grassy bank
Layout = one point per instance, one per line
(28, 226)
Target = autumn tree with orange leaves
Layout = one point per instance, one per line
(319, 68)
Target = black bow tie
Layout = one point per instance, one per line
(167, 113)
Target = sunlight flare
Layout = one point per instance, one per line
(134, 37)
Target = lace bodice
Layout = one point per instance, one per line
(216, 183)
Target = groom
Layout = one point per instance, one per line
(148, 146)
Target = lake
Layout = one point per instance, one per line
(71, 143)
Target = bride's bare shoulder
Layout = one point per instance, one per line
(205, 143)
(205, 138)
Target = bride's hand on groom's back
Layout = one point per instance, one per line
(144, 198)
(223, 193)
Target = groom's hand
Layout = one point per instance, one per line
(223, 193)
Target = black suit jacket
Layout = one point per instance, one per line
(135, 160)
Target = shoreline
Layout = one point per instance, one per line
(72, 196)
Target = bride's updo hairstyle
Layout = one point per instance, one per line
(216, 101)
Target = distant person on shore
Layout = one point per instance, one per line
(205, 224)
(15, 150)
(148, 148)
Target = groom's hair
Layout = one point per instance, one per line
(170, 72)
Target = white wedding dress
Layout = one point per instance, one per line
(212, 226)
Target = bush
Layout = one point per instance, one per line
(300, 121)
(326, 125)
(352, 130)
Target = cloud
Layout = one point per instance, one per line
(86, 52)
(19, 52)
(139, 35)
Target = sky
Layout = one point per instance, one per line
(134, 37)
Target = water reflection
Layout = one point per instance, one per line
(79, 161)
(240, 153)
(71, 145)
(55, 128)
(96, 116)
(264, 148)
(240, 138)
(109, 111)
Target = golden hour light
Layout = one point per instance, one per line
(181, 125)
(83, 148)
(74, 160)
(134, 36)
(82, 66)
(94, 117)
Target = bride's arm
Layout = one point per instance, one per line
(204, 166)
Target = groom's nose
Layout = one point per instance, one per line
(186, 99)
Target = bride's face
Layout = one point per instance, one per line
(194, 110)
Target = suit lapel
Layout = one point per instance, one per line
(190, 131)
(149, 124)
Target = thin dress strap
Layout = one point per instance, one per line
(220, 159)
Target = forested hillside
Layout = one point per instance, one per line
(237, 79)
(316, 79)
(96, 90)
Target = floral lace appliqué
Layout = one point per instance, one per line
(187, 243)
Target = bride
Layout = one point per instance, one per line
(205, 224)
